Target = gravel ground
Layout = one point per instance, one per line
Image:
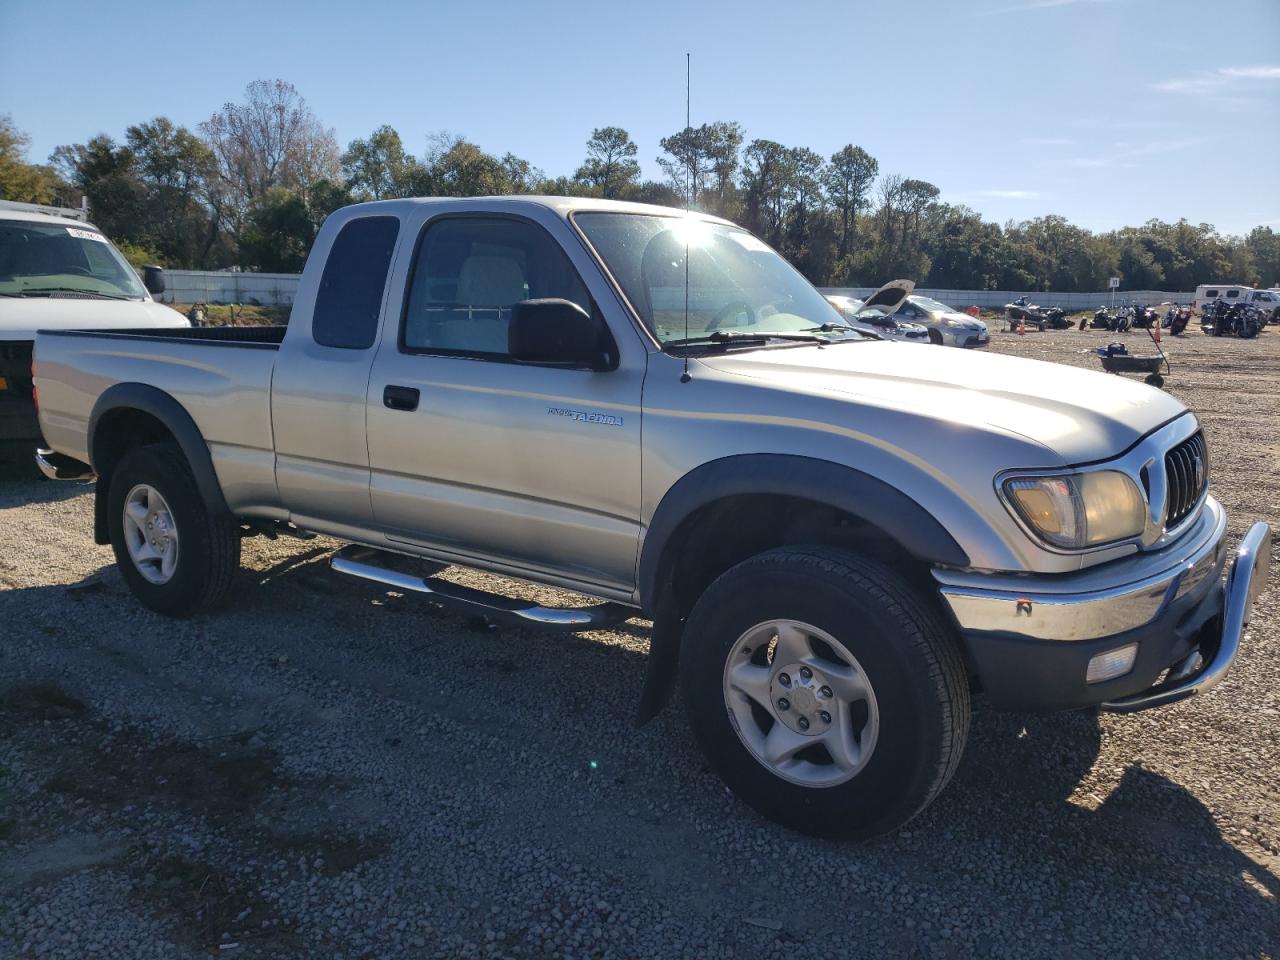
(324, 769)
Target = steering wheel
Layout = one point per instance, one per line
(729, 310)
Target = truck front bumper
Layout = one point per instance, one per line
(1055, 643)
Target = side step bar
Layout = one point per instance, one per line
(363, 562)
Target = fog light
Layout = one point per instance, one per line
(1112, 664)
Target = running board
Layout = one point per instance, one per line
(363, 562)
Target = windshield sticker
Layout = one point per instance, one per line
(86, 234)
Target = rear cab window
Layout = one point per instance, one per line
(349, 300)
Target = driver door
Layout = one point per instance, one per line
(475, 455)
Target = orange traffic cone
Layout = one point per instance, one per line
(1022, 326)
(1157, 329)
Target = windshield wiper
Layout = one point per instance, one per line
(85, 293)
(843, 328)
(727, 337)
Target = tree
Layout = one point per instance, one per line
(610, 166)
(455, 167)
(688, 162)
(805, 202)
(1264, 244)
(271, 139)
(848, 179)
(721, 142)
(378, 168)
(766, 175)
(106, 175)
(20, 180)
(175, 170)
(522, 176)
(277, 233)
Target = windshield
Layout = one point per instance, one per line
(737, 284)
(48, 259)
(931, 305)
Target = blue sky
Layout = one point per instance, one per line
(1108, 112)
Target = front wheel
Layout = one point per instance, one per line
(825, 691)
(175, 555)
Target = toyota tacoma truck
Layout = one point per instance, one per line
(839, 539)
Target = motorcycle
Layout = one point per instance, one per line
(1144, 318)
(1034, 315)
(1232, 320)
(1176, 319)
(1101, 320)
(1121, 320)
(1022, 311)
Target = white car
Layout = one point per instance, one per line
(947, 325)
(876, 315)
(58, 272)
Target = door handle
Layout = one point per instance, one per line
(400, 398)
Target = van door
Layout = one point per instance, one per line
(475, 455)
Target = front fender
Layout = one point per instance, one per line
(821, 481)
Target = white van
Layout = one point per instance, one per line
(59, 272)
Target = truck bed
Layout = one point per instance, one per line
(221, 377)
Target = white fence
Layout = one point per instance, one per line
(998, 298)
(272, 289)
(208, 286)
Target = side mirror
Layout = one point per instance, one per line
(153, 278)
(554, 331)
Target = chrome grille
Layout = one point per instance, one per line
(1186, 469)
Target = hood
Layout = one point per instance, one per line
(1079, 415)
(21, 317)
(889, 297)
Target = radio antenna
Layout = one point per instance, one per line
(688, 199)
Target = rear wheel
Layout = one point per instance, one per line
(825, 691)
(174, 554)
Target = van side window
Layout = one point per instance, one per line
(1210, 294)
(1232, 293)
(355, 275)
(467, 275)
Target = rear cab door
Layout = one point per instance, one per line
(321, 376)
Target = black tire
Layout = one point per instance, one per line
(907, 654)
(208, 545)
(935, 337)
(1154, 379)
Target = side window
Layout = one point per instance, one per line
(1210, 294)
(1232, 293)
(351, 287)
(467, 275)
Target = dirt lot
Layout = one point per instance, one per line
(323, 769)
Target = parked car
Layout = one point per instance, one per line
(837, 538)
(876, 314)
(946, 325)
(1267, 302)
(57, 272)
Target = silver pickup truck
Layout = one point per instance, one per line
(838, 539)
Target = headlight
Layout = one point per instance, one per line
(1080, 510)
(948, 322)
